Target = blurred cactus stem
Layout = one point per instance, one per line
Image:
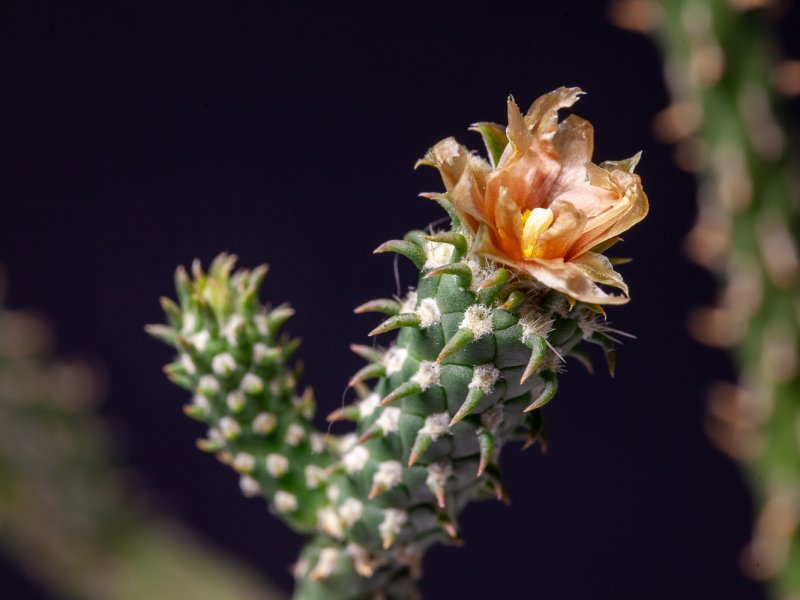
(66, 513)
(728, 121)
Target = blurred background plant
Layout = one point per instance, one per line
(68, 515)
(729, 123)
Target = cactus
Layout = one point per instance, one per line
(68, 516)
(504, 295)
(726, 119)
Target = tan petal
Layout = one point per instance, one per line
(481, 169)
(542, 116)
(599, 177)
(628, 165)
(464, 176)
(485, 244)
(567, 226)
(570, 279)
(450, 158)
(509, 225)
(466, 197)
(589, 199)
(574, 142)
(629, 210)
(517, 132)
(599, 269)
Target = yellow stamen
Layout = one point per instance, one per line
(534, 224)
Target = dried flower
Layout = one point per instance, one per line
(541, 206)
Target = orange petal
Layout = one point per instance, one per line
(570, 279)
(599, 269)
(628, 165)
(567, 227)
(509, 225)
(574, 142)
(542, 116)
(450, 158)
(464, 177)
(599, 177)
(631, 208)
(518, 133)
(589, 199)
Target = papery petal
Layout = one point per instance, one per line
(530, 165)
(467, 200)
(568, 223)
(509, 225)
(598, 177)
(517, 132)
(605, 245)
(481, 170)
(590, 199)
(450, 158)
(631, 208)
(528, 180)
(628, 165)
(574, 142)
(464, 176)
(570, 279)
(542, 116)
(484, 244)
(600, 270)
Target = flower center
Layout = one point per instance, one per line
(534, 224)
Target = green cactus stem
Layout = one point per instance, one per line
(470, 360)
(726, 121)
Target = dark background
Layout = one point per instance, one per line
(136, 139)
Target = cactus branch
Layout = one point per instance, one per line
(474, 351)
(726, 120)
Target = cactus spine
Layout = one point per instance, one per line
(475, 358)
